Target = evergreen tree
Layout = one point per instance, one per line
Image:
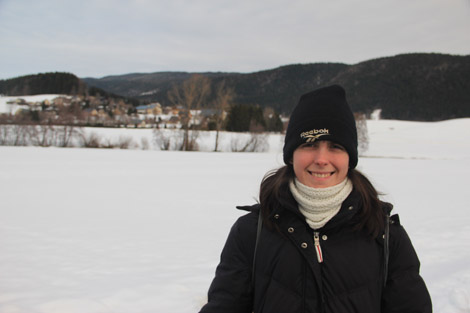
(245, 117)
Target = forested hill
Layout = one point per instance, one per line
(419, 86)
(54, 83)
(408, 86)
(44, 83)
(411, 87)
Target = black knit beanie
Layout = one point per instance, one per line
(322, 114)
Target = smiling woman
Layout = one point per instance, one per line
(322, 239)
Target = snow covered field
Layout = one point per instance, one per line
(134, 231)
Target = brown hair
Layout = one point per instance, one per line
(274, 193)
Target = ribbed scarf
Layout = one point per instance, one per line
(319, 205)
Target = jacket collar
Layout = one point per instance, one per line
(349, 209)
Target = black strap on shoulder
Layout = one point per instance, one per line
(258, 232)
(386, 247)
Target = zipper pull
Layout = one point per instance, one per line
(316, 238)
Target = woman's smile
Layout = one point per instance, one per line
(321, 175)
(321, 164)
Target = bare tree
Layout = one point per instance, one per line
(223, 97)
(4, 134)
(41, 135)
(362, 132)
(66, 133)
(161, 139)
(190, 94)
(20, 135)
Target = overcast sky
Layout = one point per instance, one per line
(96, 38)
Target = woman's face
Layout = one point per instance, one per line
(321, 164)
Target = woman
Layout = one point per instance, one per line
(325, 241)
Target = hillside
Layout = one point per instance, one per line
(409, 86)
(44, 83)
(55, 83)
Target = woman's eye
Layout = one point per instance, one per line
(309, 145)
(337, 146)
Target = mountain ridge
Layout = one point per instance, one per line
(412, 86)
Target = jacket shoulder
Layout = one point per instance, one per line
(386, 207)
(250, 208)
(245, 226)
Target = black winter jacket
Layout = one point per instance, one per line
(289, 277)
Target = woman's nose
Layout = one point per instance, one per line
(321, 156)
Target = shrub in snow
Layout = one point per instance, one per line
(144, 143)
(90, 140)
(254, 142)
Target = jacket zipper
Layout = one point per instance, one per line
(316, 238)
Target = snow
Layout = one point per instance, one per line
(109, 230)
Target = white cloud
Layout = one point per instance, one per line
(104, 37)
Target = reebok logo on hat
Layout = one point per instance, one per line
(314, 134)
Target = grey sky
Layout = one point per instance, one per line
(95, 38)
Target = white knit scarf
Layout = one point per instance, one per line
(319, 205)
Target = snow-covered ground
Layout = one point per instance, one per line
(137, 231)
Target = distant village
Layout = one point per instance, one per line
(103, 112)
(19, 117)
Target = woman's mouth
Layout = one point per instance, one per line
(320, 175)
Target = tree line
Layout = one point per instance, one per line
(416, 86)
